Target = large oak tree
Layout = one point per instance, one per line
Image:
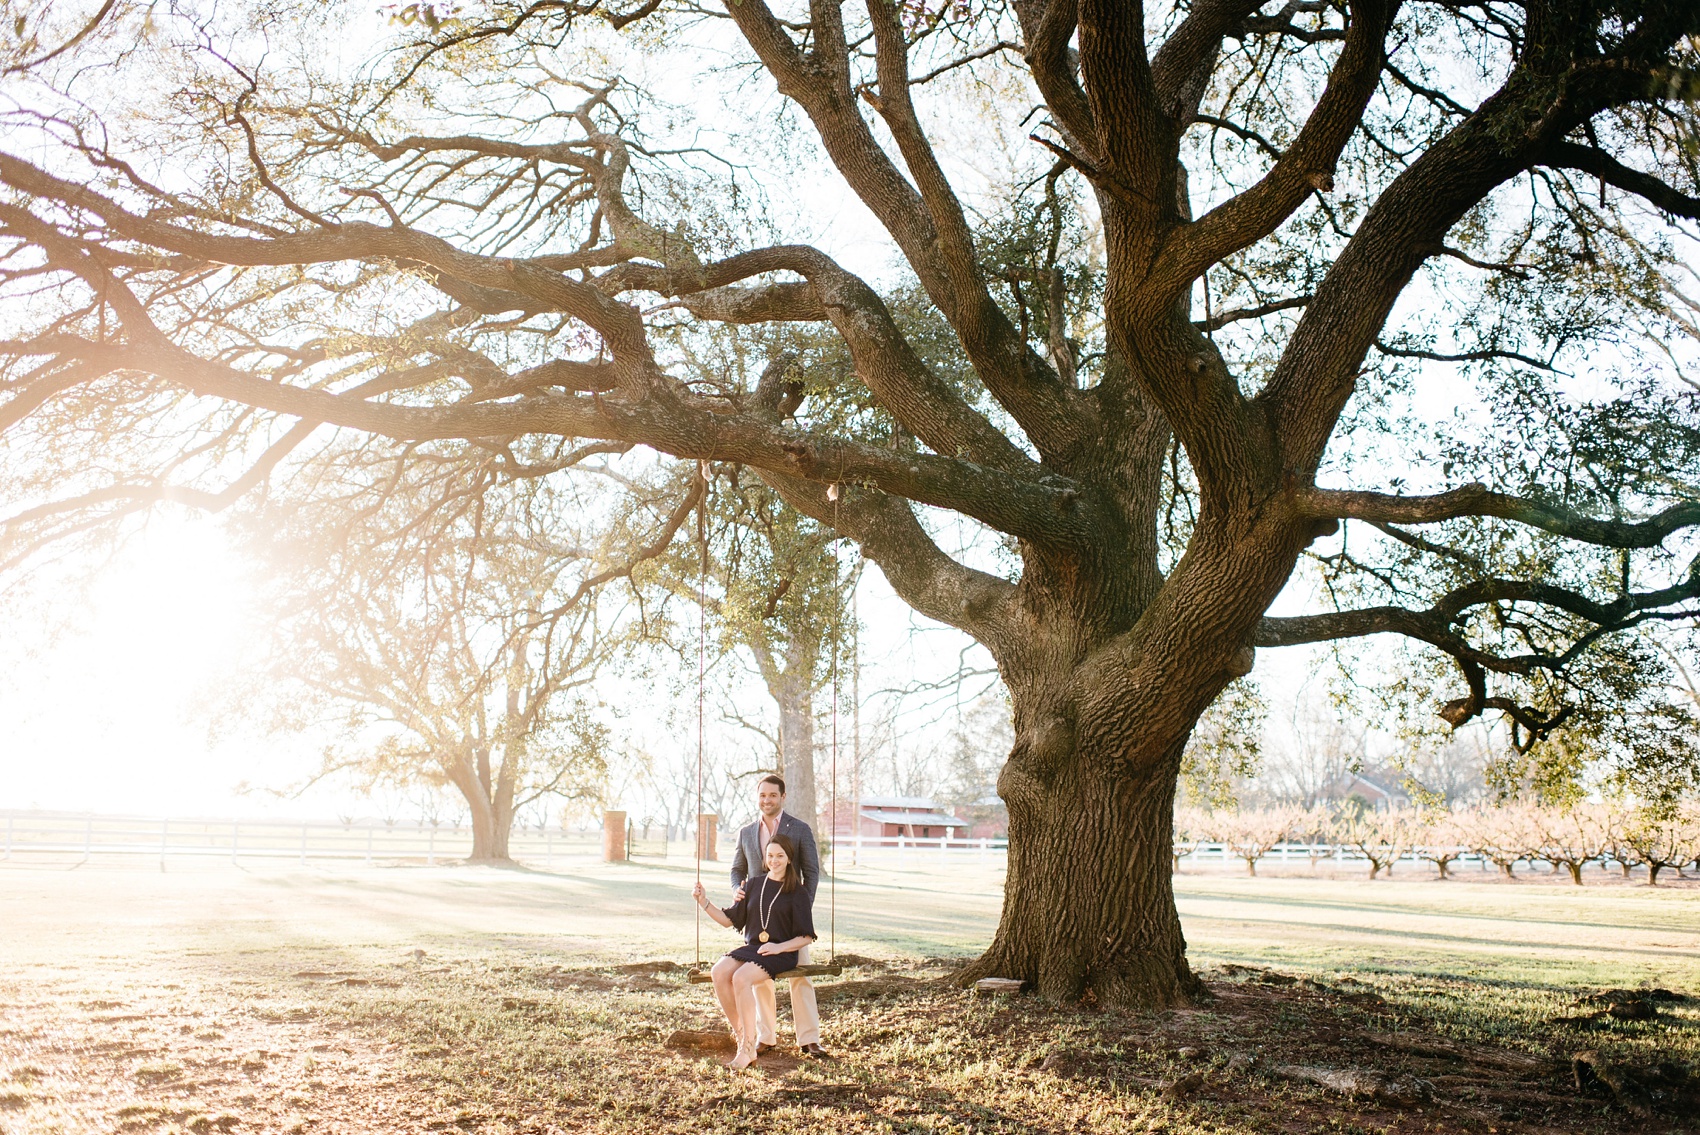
(1249, 227)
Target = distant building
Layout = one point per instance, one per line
(887, 817)
(1375, 796)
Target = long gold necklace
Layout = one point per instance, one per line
(762, 937)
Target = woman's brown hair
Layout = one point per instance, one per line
(793, 876)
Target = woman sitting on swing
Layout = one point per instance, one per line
(773, 912)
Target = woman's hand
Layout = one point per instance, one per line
(713, 912)
(770, 948)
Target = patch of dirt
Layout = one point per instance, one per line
(65, 1068)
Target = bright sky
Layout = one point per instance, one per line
(108, 711)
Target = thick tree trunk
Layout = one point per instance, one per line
(489, 835)
(492, 812)
(1108, 668)
(1089, 899)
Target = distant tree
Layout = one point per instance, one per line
(1451, 773)
(1381, 837)
(1316, 829)
(1657, 838)
(456, 629)
(1252, 833)
(1504, 836)
(1191, 830)
(1441, 838)
(1317, 749)
(974, 753)
(1574, 836)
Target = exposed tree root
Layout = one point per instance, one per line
(1399, 1090)
(1641, 1090)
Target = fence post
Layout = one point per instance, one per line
(902, 857)
(8, 837)
(88, 837)
(708, 836)
(431, 847)
(548, 849)
(164, 829)
(303, 845)
(235, 837)
(368, 844)
(614, 837)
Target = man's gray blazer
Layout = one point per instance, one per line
(747, 860)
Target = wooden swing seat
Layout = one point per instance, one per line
(703, 977)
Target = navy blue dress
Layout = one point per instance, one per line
(787, 916)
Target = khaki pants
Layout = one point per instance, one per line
(805, 1014)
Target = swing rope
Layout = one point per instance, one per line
(702, 674)
(837, 637)
(856, 712)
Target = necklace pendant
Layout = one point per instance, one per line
(762, 937)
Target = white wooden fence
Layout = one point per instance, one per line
(86, 837)
(1312, 853)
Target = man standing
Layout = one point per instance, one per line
(753, 839)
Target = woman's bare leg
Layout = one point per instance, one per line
(744, 993)
(726, 995)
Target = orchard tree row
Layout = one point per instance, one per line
(1659, 837)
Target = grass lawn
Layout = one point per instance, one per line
(404, 999)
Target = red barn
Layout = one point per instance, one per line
(887, 817)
